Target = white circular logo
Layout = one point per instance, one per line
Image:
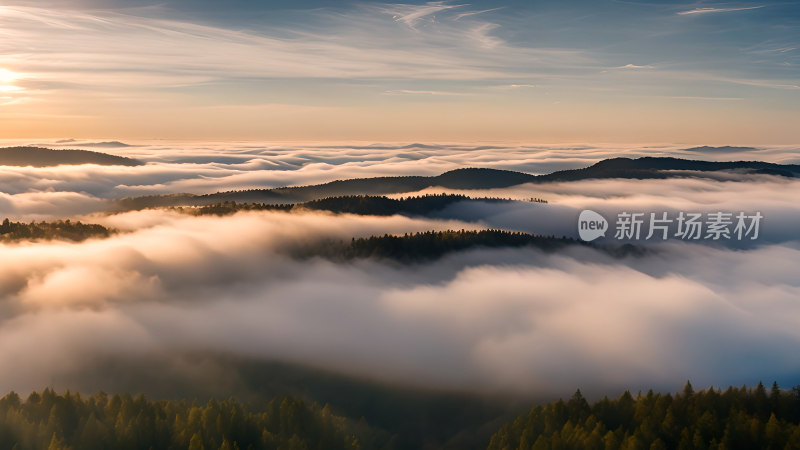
(591, 225)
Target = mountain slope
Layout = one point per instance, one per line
(468, 178)
(45, 157)
(652, 167)
(737, 418)
(367, 205)
(471, 178)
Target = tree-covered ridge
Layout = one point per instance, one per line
(466, 178)
(649, 167)
(352, 204)
(45, 157)
(434, 244)
(72, 422)
(384, 206)
(469, 178)
(228, 208)
(408, 248)
(737, 418)
(60, 229)
(428, 245)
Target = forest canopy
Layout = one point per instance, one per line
(373, 205)
(736, 418)
(60, 229)
(45, 157)
(69, 421)
(711, 419)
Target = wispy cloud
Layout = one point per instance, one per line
(411, 15)
(693, 97)
(127, 65)
(71, 48)
(716, 10)
(513, 86)
(482, 34)
(423, 92)
(636, 67)
(474, 13)
(773, 84)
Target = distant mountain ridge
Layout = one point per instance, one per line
(45, 157)
(469, 178)
(723, 149)
(660, 167)
(366, 205)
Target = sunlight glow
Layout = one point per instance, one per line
(7, 76)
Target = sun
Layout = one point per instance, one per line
(7, 76)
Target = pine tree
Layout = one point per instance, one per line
(196, 443)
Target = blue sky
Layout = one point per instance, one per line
(700, 72)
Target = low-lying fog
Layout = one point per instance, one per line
(513, 320)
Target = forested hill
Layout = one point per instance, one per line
(650, 167)
(722, 149)
(733, 419)
(45, 157)
(72, 422)
(468, 178)
(737, 418)
(371, 205)
(60, 229)
(431, 245)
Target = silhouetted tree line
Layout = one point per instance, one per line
(427, 245)
(228, 208)
(384, 206)
(353, 204)
(737, 418)
(44, 157)
(431, 245)
(70, 421)
(60, 229)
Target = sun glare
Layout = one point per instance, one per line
(7, 76)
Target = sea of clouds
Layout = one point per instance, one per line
(30, 193)
(502, 320)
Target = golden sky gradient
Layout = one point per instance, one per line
(435, 71)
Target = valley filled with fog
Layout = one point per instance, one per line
(191, 293)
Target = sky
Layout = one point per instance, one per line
(449, 71)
